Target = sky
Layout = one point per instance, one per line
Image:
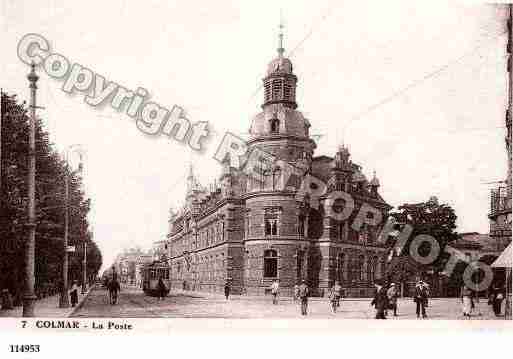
(416, 90)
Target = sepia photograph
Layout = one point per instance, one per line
(313, 165)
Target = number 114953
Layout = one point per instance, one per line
(24, 348)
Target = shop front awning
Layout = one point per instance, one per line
(505, 259)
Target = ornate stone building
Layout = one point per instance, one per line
(500, 198)
(251, 232)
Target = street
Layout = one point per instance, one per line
(134, 304)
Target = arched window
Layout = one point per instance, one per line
(299, 264)
(247, 226)
(381, 267)
(267, 87)
(276, 179)
(268, 227)
(359, 270)
(266, 180)
(351, 272)
(275, 125)
(276, 89)
(363, 234)
(270, 264)
(371, 269)
(301, 226)
(271, 222)
(341, 259)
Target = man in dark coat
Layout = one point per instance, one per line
(380, 301)
(227, 289)
(6, 300)
(304, 292)
(392, 294)
(420, 298)
(74, 293)
(498, 297)
(114, 288)
(161, 289)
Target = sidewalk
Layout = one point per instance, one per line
(266, 297)
(48, 307)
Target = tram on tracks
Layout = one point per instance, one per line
(151, 273)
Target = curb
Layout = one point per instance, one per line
(288, 298)
(81, 302)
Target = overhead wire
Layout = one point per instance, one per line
(432, 74)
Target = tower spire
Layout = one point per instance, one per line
(281, 50)
(191, 172)
(191, 180)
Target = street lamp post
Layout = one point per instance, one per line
(64, 299)
(29, 296)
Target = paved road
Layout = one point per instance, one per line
(134, 304)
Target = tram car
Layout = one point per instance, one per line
(151, 274)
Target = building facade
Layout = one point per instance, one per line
(500, 198)
(250, 232)
(128, 265)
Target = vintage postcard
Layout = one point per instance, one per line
(309, 164)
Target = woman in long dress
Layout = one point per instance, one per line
(466, 300)
(74, 293)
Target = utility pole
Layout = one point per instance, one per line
(29, 297)
(64, 299)
(84, 269)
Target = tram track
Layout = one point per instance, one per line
(145, 307)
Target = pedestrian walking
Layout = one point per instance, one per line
(393, 294)
(466, 301)
(304, 292)
(386, 287)
(335, 294)
(498, 297)
(475, 303)
(420, 298)
(227, 289)
(7, 302)
(380, 301)
(161, 289)
(73, 294)
(275, 287)
(296, 292)
(114, 288)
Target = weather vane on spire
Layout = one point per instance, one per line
(281, 50)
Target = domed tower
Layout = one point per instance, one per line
(280, 82)
(276, 224)
(280, 129)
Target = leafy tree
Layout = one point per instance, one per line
(50, 208)
(425, 218)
